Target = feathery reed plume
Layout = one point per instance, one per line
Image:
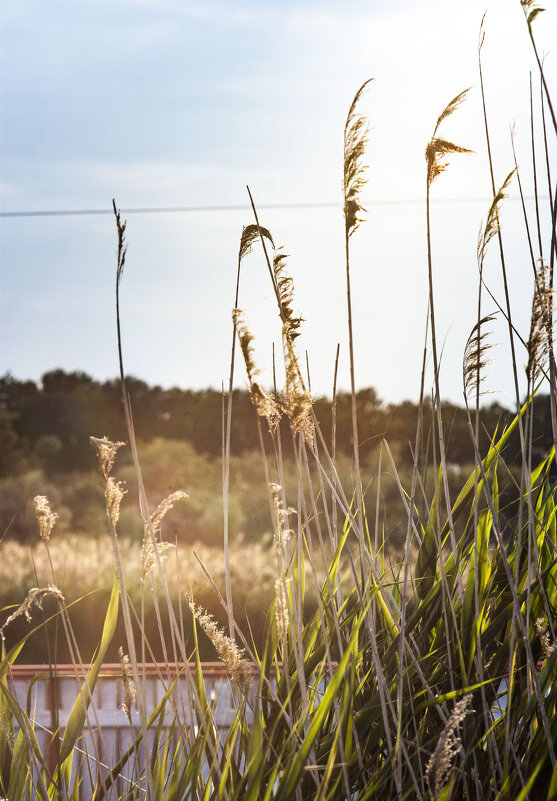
(281, 539)
(437, 148)
(149, 548)
(114, 492)
(282, 533)
(492, 226)
(249, 235)
(246, 338)
(355, 140)
(531, 10)
(128, 682)
(149, 554)
(297, 401)
(164, 507)
(475, 353)
(281, 611)
(544, 637)
(46, 518)
(106, 453)
(448, 745)
(36, 595)
(265, 405)
(229, 653)
(541, 325)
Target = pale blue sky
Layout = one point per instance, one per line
(184, 103)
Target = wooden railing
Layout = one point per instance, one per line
(48, 695)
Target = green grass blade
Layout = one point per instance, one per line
(77, 716)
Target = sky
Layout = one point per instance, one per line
(183, 103)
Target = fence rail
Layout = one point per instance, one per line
(48, 695)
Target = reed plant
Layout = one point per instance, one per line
(432, 677)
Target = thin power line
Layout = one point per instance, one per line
(243, 207)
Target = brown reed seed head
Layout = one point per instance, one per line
(475, 356)
(531, 10)
(264, 404)
(249, 235)
(46, 518)
(232, 656)
(438, 148)
(540, 340)
(106, 453)
(492, 226)
(355, 140)
(297, 401)
(448, 746)
(36, 595)
(245, 338)
(128, 682)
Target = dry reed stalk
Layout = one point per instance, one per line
(355, 140)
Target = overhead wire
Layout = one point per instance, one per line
(237, 207)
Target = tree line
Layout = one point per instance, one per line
(48, 425)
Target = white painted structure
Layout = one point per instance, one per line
(48, 698)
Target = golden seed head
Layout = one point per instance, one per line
(245, 338)
(150, 549)
(113, 494)
(164, 507)
(45, 516)
(129, 684)
(437, 148)
(355, 140)
(297, 400)
(149, 553)
(281, 610)
(282, 533)
(264, 404)
(36, 595)
(106, 453)
(232, 656)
